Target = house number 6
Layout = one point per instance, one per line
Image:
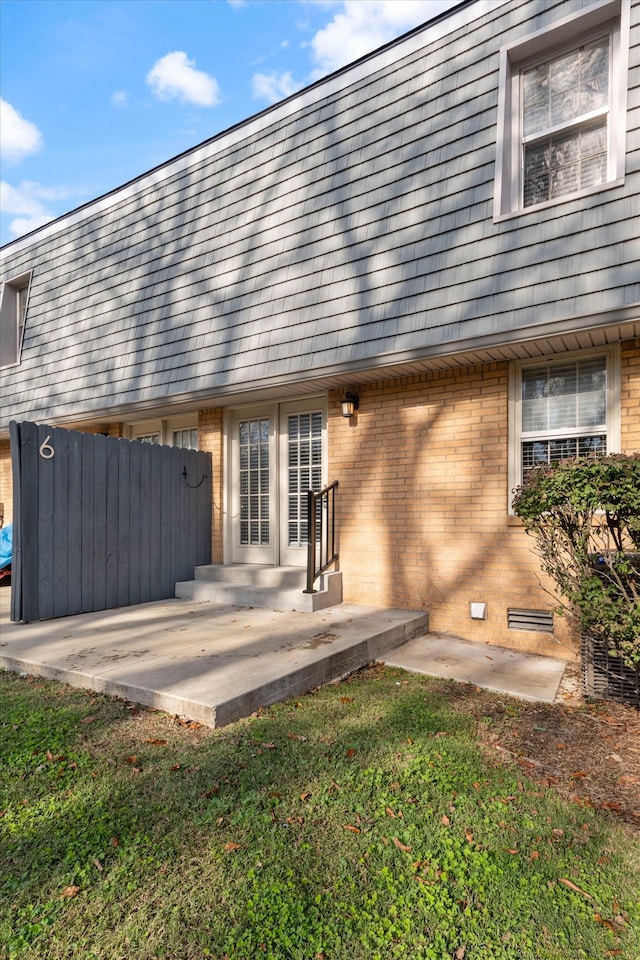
(46, 450)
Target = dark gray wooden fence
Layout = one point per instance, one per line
(101, 522)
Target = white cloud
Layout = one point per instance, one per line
(236, 4)
(18, 137)
(174, 77)
(29, 202)
(119, 98)
(361, 26)
(273, 86)
(357, 27)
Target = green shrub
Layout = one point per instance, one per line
(585, 517)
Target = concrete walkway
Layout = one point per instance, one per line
(494, 668)
(217, 664)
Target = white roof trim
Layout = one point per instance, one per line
(343, 78)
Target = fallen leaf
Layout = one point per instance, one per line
(114, 842)
(461, 951)
(605, 923)
(534, 854)
(231, 847)
(348, 826)
(70, 892)
(297, 736)
(468, 836)
(305, 796)
(155, 741)
(97, 864)
(87, 720)
(400, 846)
(132, 758)
(512, 851)
(350, 753)
(346, 699)
(572, 886)
(445, 820)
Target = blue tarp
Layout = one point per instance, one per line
(6, 541)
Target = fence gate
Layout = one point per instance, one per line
(101, 522)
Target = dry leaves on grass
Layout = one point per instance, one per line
(588, 751)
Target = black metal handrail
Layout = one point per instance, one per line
(321, 532)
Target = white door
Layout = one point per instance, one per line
(277, 453)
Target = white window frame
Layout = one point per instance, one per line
(163, 429)
(612, 356)
(14, 303)
(606, 16)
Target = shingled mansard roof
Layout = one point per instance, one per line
(344, 232)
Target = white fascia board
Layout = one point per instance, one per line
(342, 79)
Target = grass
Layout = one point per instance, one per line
(362, 821)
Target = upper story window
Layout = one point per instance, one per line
(562, 110)
(13, 312)
(565, 115)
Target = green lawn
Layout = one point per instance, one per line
(362, 821)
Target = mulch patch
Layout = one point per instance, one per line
(587, 750)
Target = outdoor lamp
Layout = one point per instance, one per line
(350, 405)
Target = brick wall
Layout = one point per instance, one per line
(423, 501)
(630, 396)
(210, 438)
(6, 483)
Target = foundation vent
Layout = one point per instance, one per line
(541, 620)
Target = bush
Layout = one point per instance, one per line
(585, 517)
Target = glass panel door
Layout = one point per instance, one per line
(255, 482)
(302, 455)
(276, 455)
(252, 487)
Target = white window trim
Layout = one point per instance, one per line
(164, 428)
(612, 355)
(606, 15)
(11, 327)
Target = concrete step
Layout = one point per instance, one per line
(275, 588)
(254, 575)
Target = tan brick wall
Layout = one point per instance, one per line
(423, 505)
(6, 482)
(630, 396)
(210, 438)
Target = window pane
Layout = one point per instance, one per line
(538, 452)
(536, 173)
(253, 436)
(304, 452)
(566, 88)
(559, 94)
(573, 160)
(564, 396)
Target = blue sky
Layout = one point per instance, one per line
(96, 92)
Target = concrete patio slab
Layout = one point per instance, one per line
(494, 668)
(212, 663)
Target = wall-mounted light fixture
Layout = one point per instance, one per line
(350, 404)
